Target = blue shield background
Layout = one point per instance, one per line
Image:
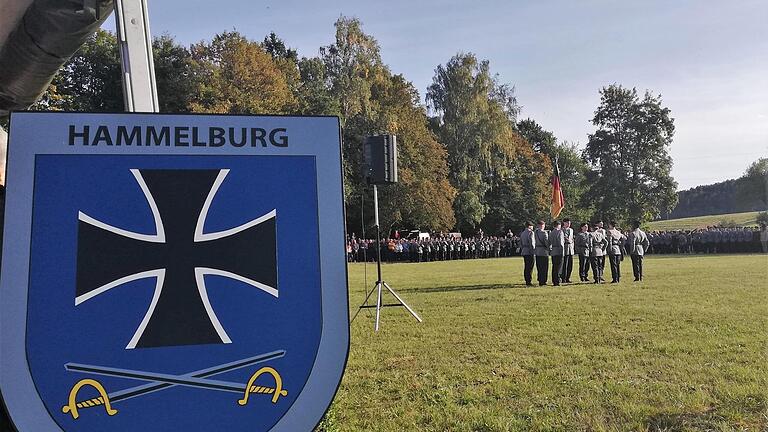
(97, 331)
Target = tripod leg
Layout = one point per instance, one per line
(378, 306)
(415, 315)
(365, 302)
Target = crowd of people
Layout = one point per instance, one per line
(709, 240)
(444, 247)
(440, 248)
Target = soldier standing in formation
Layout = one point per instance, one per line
(599, 246)
(638, 243)
(541, 252)
(527, 245)
(557, 240)
(568, 251)
(615, 254)
(602, 262)
(764, 237)
(583, 247)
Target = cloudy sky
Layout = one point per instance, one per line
(708, 59)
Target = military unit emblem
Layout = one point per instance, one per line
(172, 287)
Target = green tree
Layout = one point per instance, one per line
(173, 74)
(423, 198)
(629, 156)
(371, 100)
(755, 183)
(314, 94)
(573, 179)
(499, 179)
(352, 64)
(542, 141)
(573, 168)
(287, 60)
(460, 95)
(278, 49)
(89, 81)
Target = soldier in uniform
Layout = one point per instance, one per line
(527, 245)
(541, 252)
(638, 243)
(615, 242)
(763, 237)
(599, 246)
(583, 247)
(557, 240)
(732, 240)
(602, 261)
(568, 251)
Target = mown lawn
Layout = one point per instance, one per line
(684, 350)
(738, 219)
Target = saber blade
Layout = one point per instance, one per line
(164, 381)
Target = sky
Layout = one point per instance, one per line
(707, 59)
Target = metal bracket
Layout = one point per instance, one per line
(133, 37)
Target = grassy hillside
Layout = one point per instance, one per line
(491, 355)
(739, 219)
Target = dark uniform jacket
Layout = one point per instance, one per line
(527, 242)
(583, 243)
(542, 244)
(557, 240)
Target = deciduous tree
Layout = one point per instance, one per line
(498, 177)
(371, 100)
(755, 183)
(236, 75)
(89, 81)
(573, 168)
(629, 156)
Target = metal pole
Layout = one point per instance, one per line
(380, 284)
(379, 281)
(378, 231)
(132, 25)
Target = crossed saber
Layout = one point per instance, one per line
(159, 381)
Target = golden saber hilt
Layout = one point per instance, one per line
(73, 406)
(103, 400)
(276, 392)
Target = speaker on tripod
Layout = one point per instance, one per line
(380, 168)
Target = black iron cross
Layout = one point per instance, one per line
(179, 255)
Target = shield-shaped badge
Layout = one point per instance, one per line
(172, 272)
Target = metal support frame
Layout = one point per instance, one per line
(380, 284)
(139, 86)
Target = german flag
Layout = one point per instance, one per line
(558, 199)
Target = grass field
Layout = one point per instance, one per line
(684, 350)
(739, 219)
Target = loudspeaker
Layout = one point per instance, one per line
(380, 159)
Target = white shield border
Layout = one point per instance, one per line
(35, 133)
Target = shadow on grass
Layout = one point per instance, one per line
(715, 255)
(667, 422)
(442, 289)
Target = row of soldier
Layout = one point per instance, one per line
(562, 243)
(709, 240)
(447, 247)
(443, 248)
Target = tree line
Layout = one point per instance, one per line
(466, 158)
(744, 194)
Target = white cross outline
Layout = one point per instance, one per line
(159, 274)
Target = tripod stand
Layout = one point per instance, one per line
(380, 284)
